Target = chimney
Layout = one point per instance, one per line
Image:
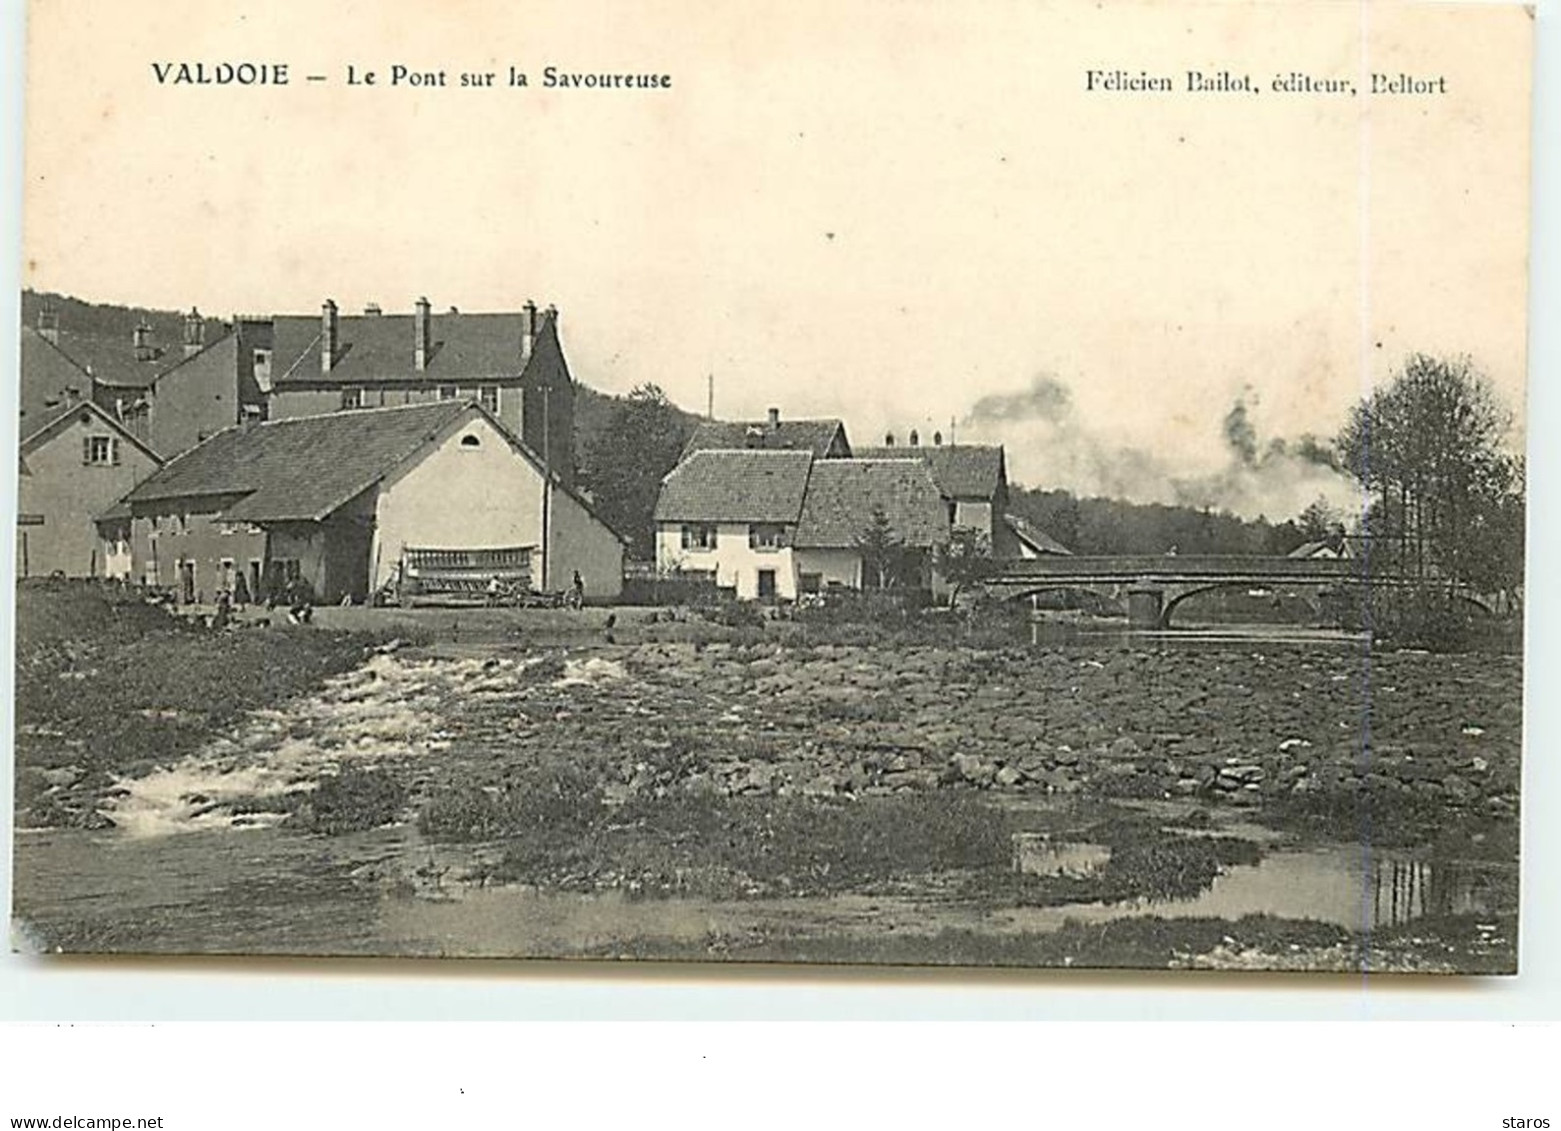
(329, 344)
(142, 337)
(888, 439)
(915, 439)
(528, 330)
(937, 439)
(774, 420)
(49, 324)
(753, 436)
(422, 326)
(72, 394)
(194, 333)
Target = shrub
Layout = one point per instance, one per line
(354, 800)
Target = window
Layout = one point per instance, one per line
(470, 441)
(810, 582)
(766, 536)
(448, 392)
(100, 451)
(352, 398)
(488, 397)
(699, 537)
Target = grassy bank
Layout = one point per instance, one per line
(108, 686)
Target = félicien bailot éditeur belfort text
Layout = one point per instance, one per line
(1223, 81)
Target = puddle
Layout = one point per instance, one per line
(1337, 884)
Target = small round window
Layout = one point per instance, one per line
(470, 441)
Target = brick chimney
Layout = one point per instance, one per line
(49, 324)
(528, 330)
(194, 333)
(330, 343)
(142, 339)
(774, 420)
(422, 333)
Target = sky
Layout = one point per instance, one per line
(903, 214)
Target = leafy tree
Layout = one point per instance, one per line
(626, 459)
(1445, 497)
(964, 560)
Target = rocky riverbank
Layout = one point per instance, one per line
(1413, 742)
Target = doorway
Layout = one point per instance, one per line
(766, 585)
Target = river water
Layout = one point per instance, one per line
(273, 891)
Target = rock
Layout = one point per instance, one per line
(911, 779)
(1186, 787)
(1065, 756)
(1009, 776)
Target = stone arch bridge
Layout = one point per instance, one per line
(1157, 583)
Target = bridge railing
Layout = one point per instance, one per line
(1174, 566)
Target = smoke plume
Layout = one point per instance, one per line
(1051, 445)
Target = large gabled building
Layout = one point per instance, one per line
(511, 363)
(337, 501)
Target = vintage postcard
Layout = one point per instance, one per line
(1024, 484)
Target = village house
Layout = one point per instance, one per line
(1032, 541)
(731, 515)
(973, 480)
(845, 497)
(171, 381)
(337, 501)
(773, 524)
(76, 462)
(511, 363)
(825, 439)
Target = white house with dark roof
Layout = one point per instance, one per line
(338, 500)
(732, 514)
(771, 524)
(512, 363)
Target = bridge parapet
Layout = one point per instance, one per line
(1173, 568)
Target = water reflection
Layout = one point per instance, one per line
(1350, 886)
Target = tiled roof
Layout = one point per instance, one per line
(815, 436)
(378, 348)
(1033, 536)
(843, 493)
(46, 372)
(735, 486)
(39, 427)
(962, 471)
(113, 360)
(303, 468)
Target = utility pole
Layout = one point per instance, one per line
(547, 493)
(710, 397)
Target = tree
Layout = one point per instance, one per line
(964, 560)
(626, 460)
(1442, 491)
(882, 550)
